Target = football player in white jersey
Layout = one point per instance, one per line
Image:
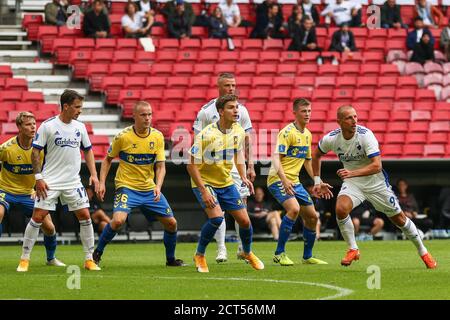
(364, 179)
(62, 137)
(208, 114)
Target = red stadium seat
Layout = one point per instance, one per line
(328, 70)
(434, 151)
(160, 70)
(190, 44)
(309, 70)
(392, 151)
(279, 95)
(187, 57)
(418, 115)
(10, 96)
(269, 57)
(140, 70)
(398, 127)
(283, 82)
(16, 84)
(379, 116)
(119, 69)
(111, 86)
(211, 45)
(437, 138)
(413, 151)
(9, 129)
(423, 95)
(166, 56)
(394, 138)
(407, 83)
(419, 127)
(287, 70)
(322, 95)
(388, 70)
(243, 70)
(31, 23)
(325, 82)
(343, 95)
(370, 70)
(124, 57)
(290, 57)
(95, 72)
(228, 57)
(377, 127)
(28, 96)
(173, 95)
(384, 95)
(252, 45)
(200, 82)
(262, 83)
(168, 45)
(346, 82)
(440, 126)
(105, 44)
(144, 57)
(79, 60)
(259, 95)
(272, 45)
(351, 70)
(153, 96)
(195, 95)
(61, 49)
(200, 32)
(416, 138)
(102, 56)
(156, 83)
(208, 57)
(375, 45)
(404, 95)
(363, 95)
(46, 35)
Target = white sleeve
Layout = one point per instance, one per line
(325, 144)
(356, 4)
(245, 121)
(237, 11)
(40, 140)
(327, 10)
(85, 141)
(125, 21)
(371, 146)
(200, 121)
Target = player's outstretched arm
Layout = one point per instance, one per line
(193, 171)
(251, 174)
(104, 169)
(160, 173)
(372, 168)
(90, 163)
(239, 161)
(320, 188)
(41, 185)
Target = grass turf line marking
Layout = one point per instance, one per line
(342, 292)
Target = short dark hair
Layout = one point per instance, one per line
(300, 102)
(418, 19)
(69, 96)
(97, 1)
(222, 101)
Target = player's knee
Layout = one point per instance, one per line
(341, 211)
(171, 225)
(293, 212)
(117, 223)
(378, 222)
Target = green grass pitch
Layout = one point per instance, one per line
(138, 271)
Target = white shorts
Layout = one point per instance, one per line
(383, 200)
(75, 199)
(244, 192)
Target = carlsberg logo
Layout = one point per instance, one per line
(65, 142)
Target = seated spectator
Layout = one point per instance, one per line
(344, 12)
(366, 215)
(217, 25)
(170, 8)
(231, 13)
(423, 51)
(136, 24)
(99, 218)
(343, 40)
(445, 41)
(431, 16)
(415, 36)
(295, 20)
(409, 205)
(56, 12)
(261, 214)
(271, 26)
(391, 16)
(179, 23)
(146, 7)
(309, 10)
(96, 22)
(305, 38)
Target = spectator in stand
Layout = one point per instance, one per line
(391, 16)
(180, 23)
(431, 15)
(96, 22)
(444, 207)
(343, 40)
(423, 51)
(218, 28)
(231, 12)
(445, 41)
(272, 27)
(136, 24)
(170, 9)
(99, 218)
(409, 205)
(304, 38)
(146, 7)
(310, 10)
(262, 215)
(262, 18)
(56, 12)
(366, 215)
(295, 20)
(343, 12)
(416, 35)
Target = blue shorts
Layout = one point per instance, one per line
(24, 201)
(302, 196)
(126, 200)
(228, 198)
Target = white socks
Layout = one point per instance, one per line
(29, 238)
(348, 232)
(410, 231)
(87, 237)
(220, 234)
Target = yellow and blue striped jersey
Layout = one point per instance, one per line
(137, 158)
(17, 175)
(214, 152)
(296, 146)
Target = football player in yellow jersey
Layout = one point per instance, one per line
(17, 180)
(138, 181)
(212, 155)
(293, 150)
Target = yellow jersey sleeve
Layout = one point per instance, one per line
(283, 142)
(308, 153)
(197, 147)
(2, 152)
(160, 154)
(115, 146)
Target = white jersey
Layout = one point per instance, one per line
(209, 114)
(356, 153)
(62, 159)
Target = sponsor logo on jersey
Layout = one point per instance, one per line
(67, 142)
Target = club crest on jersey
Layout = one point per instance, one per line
(77, 133)
(152, 145)
(67, 142)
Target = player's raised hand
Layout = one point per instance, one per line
(325, 191)
(344, 173)
(251, 174)
(249, 185)
(101, 191)
(93, 180)
(41, 189)
(208, 199)
(157, 193)
(289, 187)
